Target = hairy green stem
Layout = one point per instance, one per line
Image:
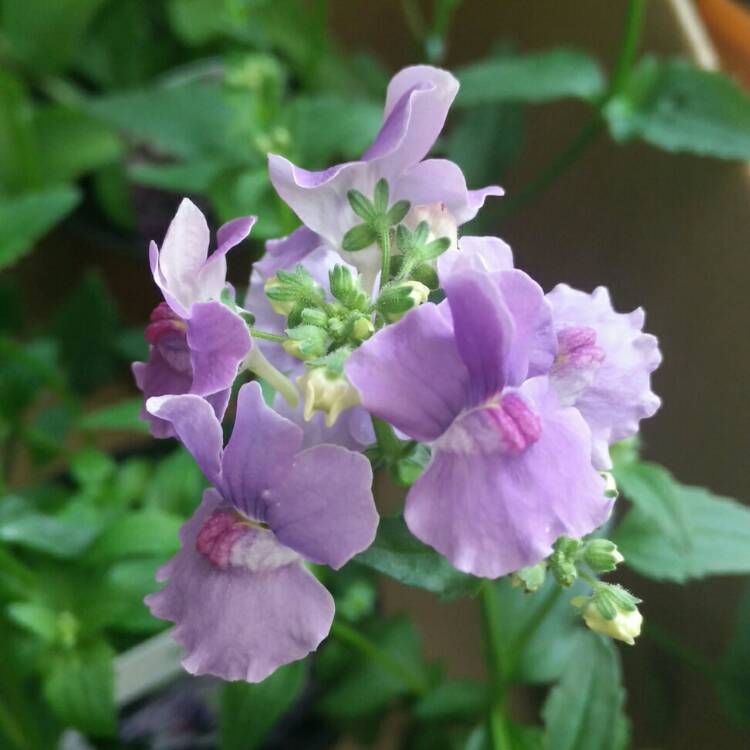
(255, 333)
(384, 242)
(347, 634)
(591, 130)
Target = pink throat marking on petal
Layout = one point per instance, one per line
(577, 348)
(518, 425)
(164, 322)
(219, 534)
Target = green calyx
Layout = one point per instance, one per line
(611, 599)
(377, 217)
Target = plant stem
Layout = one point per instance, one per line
(347, 634)
(255, 333)
(384, 241)
(389, 444)
(591, 130)
(497, 719)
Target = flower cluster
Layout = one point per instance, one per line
(375, 311)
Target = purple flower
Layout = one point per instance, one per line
(511, 468)
(416, 106)
(197, 343)
(241, 598)
(603, 366)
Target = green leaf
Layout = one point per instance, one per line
(249, 711)
(676, 106)
(90, 467)
(540, 630)
(140, 533)
(191, 120)
(36, 618)
(45, 34)
(124, 415)
(58, 537)
(79, 687)
(195, 176)
(177, 484)
(536, 77)
(585, 710)
(71, 143)
(19, 168)
(358, 238)
(453, 700)
(24, 219)
(654, 491)
(716, 538)
(398, 554)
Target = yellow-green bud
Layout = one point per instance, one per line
(280, 307)
(624, 626)
(601, 555)
(418, 294)
(328, 393)
(362, 329)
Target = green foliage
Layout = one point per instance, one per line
(27, 217)
(734, 667)
(79, 686)
(536, 77)
(399, 555)
(677, 532)
(585, 710)
(453, 700)
(124, 415)
(249, 711)
(673, 105)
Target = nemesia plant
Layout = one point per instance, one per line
(375, 332)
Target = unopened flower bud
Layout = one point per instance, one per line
(280, 307)
(601, 555)
(397, 300)
(326, 392)
(562, 562)
(612, 611)
(314, 317)
(362, 329)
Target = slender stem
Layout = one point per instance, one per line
(591, 130)
(258, 334)
(346, 634)
(595, 583)
(384, 241)
(497, 719)
(389, 444)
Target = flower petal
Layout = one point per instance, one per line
(411, 375)
(183, 254)
(218, 340)
(324, 509)
(212, 277)
(491, 511)
(416, 106)
(484, 330)
(260, 452)
(477, 253)
(441, 181)
(195, 424)
(620, 394)
(233, 623)
(157, 378)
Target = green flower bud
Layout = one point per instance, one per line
(605, 615)
(314, 317)
(563, 560)
(326, 392)
(601, 555)
(362, 329)
(396, 300)
(280, 307)
(306, 342)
